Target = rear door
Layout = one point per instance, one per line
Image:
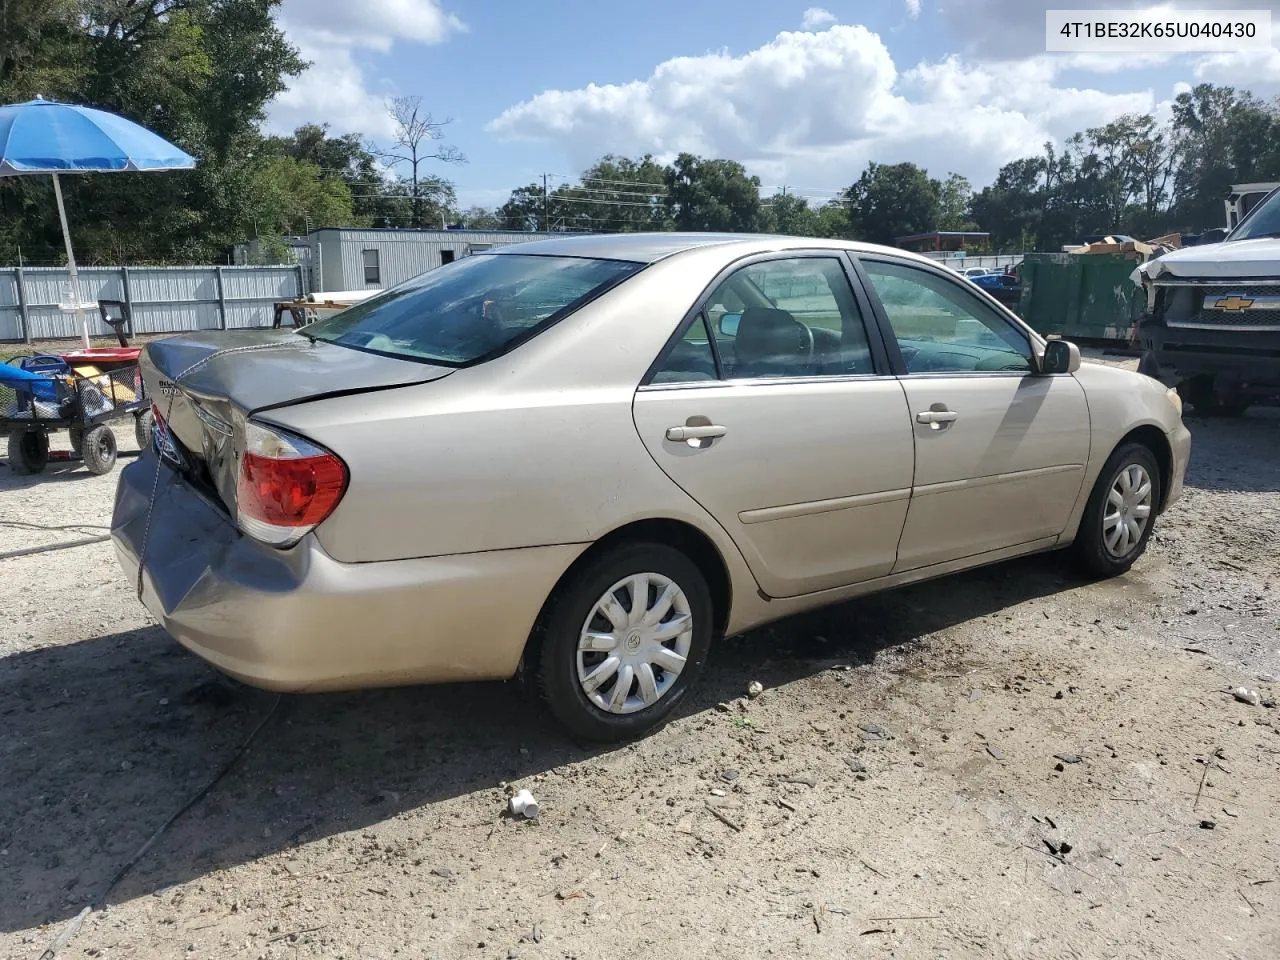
(775, 410)
(1000, 448)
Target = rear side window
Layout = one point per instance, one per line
(472, 308)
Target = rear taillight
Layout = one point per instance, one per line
(162, 438)
(286, 485)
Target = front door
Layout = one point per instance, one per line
(771, 412)
(1000, 449)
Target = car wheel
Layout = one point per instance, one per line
(1121, 512)
(623, 641)
(100, 449)
(28, 451)
(76, 436)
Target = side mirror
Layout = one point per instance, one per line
(1060, 356)
(728, 324)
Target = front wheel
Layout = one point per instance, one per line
(623, 641)
(1121, 511)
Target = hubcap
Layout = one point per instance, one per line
(634, 643)
(1128, 510)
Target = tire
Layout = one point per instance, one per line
(1093, 545)
(28, 451)
(100, 449)
(76, 436)
(573, 608)
(143, 424)
(1204, 398)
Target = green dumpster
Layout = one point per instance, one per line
(1083, 297)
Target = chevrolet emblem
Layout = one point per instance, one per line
(1233, 303)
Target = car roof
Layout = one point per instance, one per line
(652, 247)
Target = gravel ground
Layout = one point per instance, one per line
(896, 790)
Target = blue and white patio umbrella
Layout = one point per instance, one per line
(46, 137)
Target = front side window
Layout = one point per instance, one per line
(943, 328)
(372, 269)
(787, 318)
(472, 308)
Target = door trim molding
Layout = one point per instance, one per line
(812, 507)
(951, 486)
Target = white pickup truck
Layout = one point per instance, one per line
(1212, 325)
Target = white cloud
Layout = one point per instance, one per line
(1256, 70)
(816, 107)
(816, 17)
(330, 34)
(913, 8)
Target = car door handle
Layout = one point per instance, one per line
(935, 417)
(707, 432)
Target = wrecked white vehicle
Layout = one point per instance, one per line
(1212, 326)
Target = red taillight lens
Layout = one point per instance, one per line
(286, 485)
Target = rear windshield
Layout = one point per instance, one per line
(471, 309)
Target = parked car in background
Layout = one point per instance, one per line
(1212, 324)
(588, 459)
(1005, 287)
(975, 271)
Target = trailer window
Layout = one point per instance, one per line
(372, 268)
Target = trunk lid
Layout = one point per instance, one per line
(206, 385)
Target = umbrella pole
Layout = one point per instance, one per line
(71, 262)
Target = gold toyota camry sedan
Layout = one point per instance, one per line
(593, 457)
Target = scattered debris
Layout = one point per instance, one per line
(754, 689)
(995, 751)
(1245, 695)
(1207, 824)
(1068, 757)
(873, 731)
(725, 819)
(855, 764)
(808, 779)
(523, 806)
(975, 694)
(728, 775)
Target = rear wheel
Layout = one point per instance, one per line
(76, 436)
(28, 451)
(1121, 512)
(623, 641)
(143, 424)
(100, 449)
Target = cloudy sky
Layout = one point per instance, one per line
(804, 95)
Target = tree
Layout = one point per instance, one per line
(529, 208)
(615, 194)
(892, 200)
(416, 132)
(789, 215)
(954, 195)
(712, 195)
(481, 218)
(296, 197)
(198, 72)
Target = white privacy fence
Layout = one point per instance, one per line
(34, 300)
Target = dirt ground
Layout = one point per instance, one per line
(898, 789)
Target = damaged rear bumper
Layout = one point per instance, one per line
(298, 620)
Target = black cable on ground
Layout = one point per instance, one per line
(50, 547)
(195, 798)
(72, 927)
